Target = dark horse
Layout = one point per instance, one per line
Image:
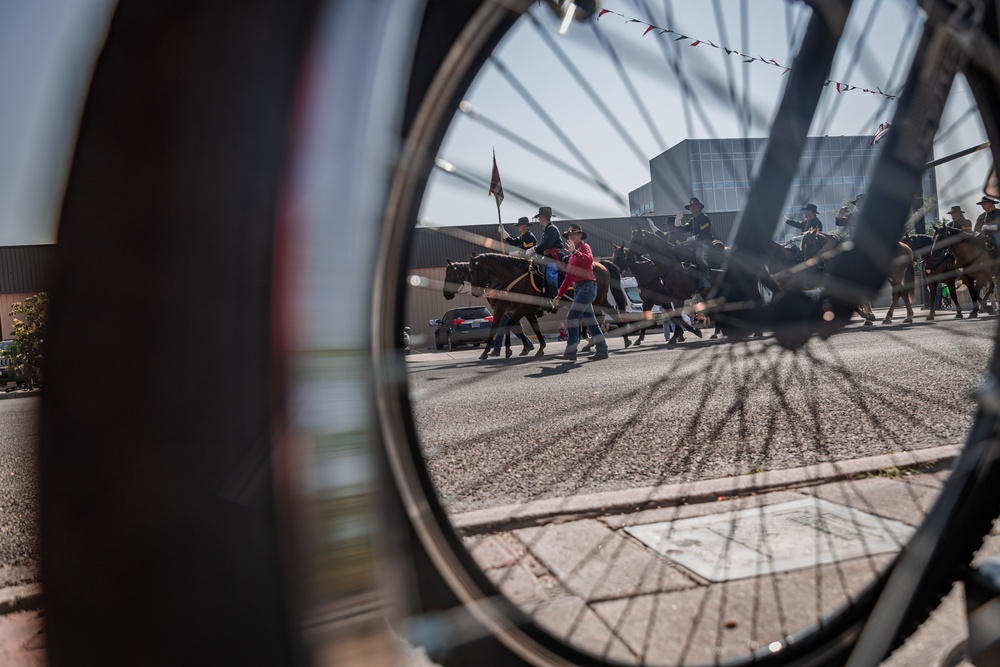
(653, 291)
(672, 264)
(815, 244)
(520, 292)
(938, 267)
(974, 262)
(457, 274)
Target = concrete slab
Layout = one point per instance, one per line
(573, 621)
(897, 498)
(702, 625)
(775, 538)
(595, 562)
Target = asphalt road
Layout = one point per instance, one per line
(19, 523)
(500, 431)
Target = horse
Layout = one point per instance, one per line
(522, 292)
(938, 267)
(457, 274)
(652, 290)
(670, 261)
(815, 244)
(973, 261)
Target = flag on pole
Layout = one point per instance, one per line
(496, 188)
(883, 129)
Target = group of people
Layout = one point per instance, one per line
(570, 249)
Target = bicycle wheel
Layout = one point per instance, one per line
(571, 541)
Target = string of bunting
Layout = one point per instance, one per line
(840, 86)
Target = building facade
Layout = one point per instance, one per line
(832, 171)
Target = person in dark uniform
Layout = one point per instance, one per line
(959, 220)
(987, 224)
(809, 221)
(548, 250)
(847, 215)
(701, 227)
(524, 240)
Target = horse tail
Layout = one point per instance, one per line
(615, 286)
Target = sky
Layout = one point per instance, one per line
(48, 47)
(689, 91)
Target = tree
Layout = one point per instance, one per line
(28, 334)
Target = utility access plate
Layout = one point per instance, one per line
(774, 538)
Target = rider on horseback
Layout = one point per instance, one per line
(547, 252)
(987, 224)
(810, 221)
(522, 242)
(701, 227)
(959, 220)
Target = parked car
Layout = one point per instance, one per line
(459, 326)
(6, 375)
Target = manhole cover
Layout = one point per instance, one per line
(776, 538)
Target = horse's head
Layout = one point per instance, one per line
(944, 237)
(814, 242)
(479, 274)
(619, 257)
(455, 276)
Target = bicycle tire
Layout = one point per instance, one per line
(831, 644)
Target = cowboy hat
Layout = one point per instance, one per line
(546, 211)
(694, 202)
(986, 199)
(809, 207)
(523, 221)
(956, 209)
(573, 229)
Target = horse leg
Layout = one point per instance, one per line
(892, 308)
(934, 287)
(909, 307)
(533, 321)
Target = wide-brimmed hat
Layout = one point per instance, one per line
(956, 209)
(523, 220)
(692, 202)
(856, 199)
(809, 207)
(986, 199)
(546, 211)
(573, 228)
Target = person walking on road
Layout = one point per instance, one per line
(580, 275)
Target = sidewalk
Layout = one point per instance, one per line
(679, 574)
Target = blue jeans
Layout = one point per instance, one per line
(581, 311)
(552, 274)
(498, 341)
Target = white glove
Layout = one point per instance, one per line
(529, 252)
(679, 220)
(503, 232)
(990, 228)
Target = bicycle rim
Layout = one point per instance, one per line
(688, 616)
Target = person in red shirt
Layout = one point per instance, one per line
(580, 275)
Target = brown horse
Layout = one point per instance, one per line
(653, 291)
(455, 277)
(938, 267)
(973, 261)
(816, 246)
(675, 264)
(520, 292)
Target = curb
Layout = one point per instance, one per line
(573, 508)
(20, 598)
(20, 393)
